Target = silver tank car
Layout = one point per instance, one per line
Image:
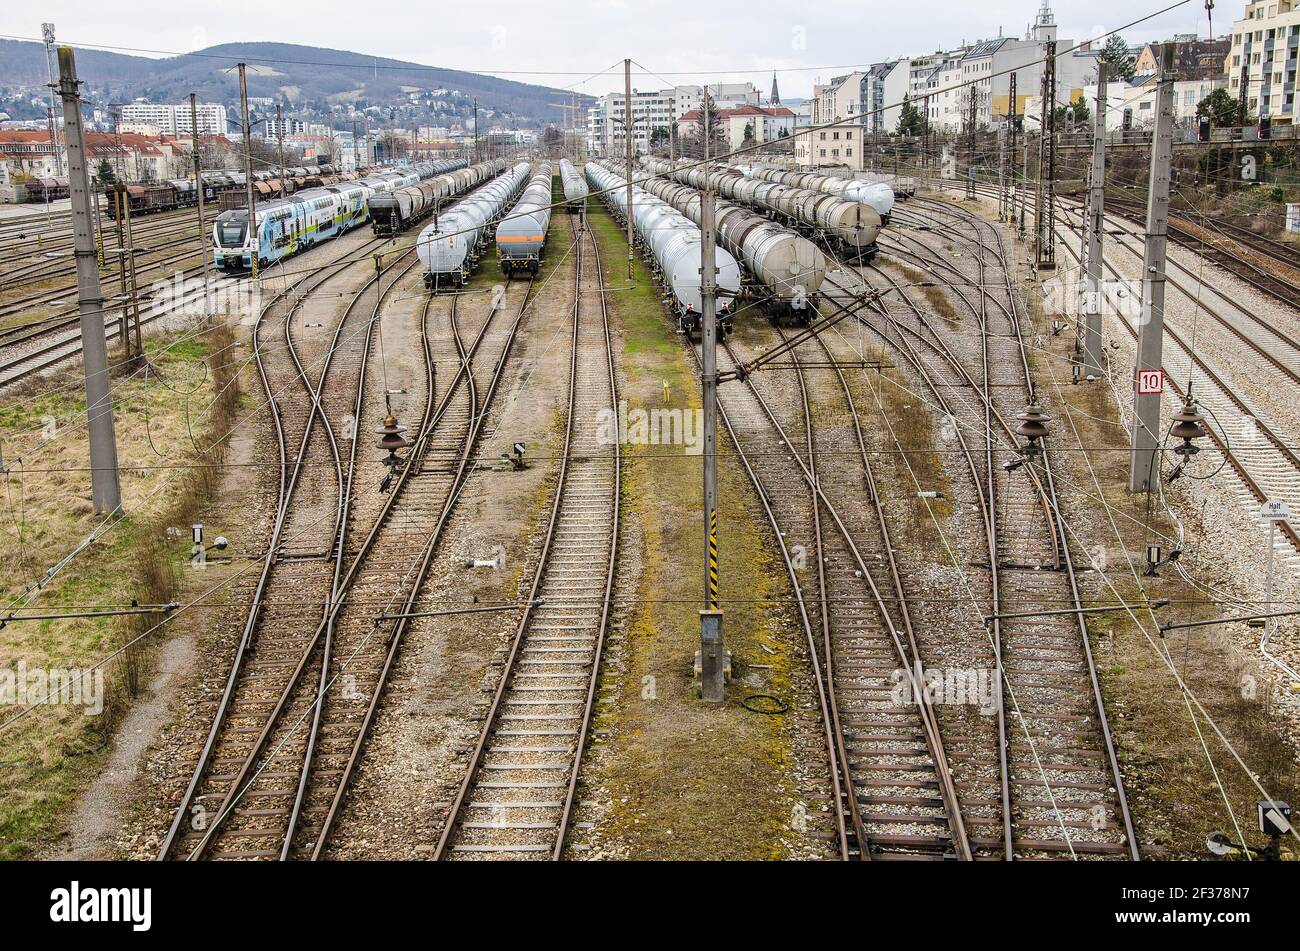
(674, 244)
(450, 248)
(851, 225)
(575, 187)
(788, 267)
(522, 233)
(878, 194)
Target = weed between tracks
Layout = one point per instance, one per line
(686, 780)
(52, 754)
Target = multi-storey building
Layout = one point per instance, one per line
(175, 119)
(983, 70)
(1261, 64)
(654, 113)
(29, 154)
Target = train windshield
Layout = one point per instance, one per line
(230, 231)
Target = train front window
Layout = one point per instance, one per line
(230, 234)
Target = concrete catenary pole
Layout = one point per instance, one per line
(628, 149)
(106, 490)
(1096, 225)
(1151, 326)
(1013, 107)
(712, 650)
(198, 187)
(248, 165)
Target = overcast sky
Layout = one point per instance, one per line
(680, 40)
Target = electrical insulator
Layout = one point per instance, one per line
(391, 440)
(1188, 426)
(1033, 427)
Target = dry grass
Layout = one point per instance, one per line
(163, 424)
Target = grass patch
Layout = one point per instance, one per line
(689, 781)
(49, 756)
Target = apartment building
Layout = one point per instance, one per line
(134, 158)
(982, 70)
(1262, 59)
(175, 119)
(656, 110)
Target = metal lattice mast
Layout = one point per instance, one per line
(1045, 206)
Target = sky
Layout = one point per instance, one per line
(671, 41)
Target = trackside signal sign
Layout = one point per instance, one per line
(1151, 382)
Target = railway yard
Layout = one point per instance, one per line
(414, 547)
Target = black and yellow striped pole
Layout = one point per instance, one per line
(711, 603)
(713, 653)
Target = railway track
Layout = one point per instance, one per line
(291, 782)
(517, 794)
(27, 262)
(1261, 475)
(301, 573)
(1267, 265)
(1058, 791)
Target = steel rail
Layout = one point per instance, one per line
(287, 486)
(477, 421)
(1057, 527)
(456, 810)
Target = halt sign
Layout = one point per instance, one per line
(1151, 382)
(1275, 510)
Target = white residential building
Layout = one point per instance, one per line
(946, 81)
(1139, 100)
(1263, 56)
(175, 119)
(656, 110)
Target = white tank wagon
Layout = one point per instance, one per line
(395, 211)
(451, 247)
(878, 194)
(522, 233)
(788, 268)
(851, 225)
(575, 187)
(673, 242)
